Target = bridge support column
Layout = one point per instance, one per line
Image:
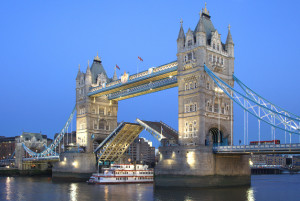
(198, 166)
(19, 153)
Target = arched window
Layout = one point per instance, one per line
(191, 85)
(195, 84)
(214, 46)
(218, 47)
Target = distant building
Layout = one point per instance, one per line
(7, 146)
(269, 159)
(34, 141)
(141, 151)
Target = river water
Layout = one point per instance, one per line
(263, 187)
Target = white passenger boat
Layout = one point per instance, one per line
(123, 174)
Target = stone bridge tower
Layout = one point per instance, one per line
(205, 113)
(96, 117)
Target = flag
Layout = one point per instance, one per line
(117, 67)
(140, 58)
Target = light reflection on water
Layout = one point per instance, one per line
(73, 191)
(264, 187)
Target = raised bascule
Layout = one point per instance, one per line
(201, 153)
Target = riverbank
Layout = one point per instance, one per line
(12, 172)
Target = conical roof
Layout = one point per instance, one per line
(229, 37)
(181, 32)
(96, 69)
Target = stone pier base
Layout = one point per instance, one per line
(74, 167)
(198, 166)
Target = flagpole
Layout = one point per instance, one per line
(137, 66)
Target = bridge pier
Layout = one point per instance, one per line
(74, 167)
(198, 166)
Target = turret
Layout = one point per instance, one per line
(229, 44)
(200, 32)
(115, 75)
(88, 75)
(181, 38)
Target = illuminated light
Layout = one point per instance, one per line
(65, 159)
(250, 163)
(218, 90)
(190, 158)
(173, 155)
(170, 76)
(75, 164)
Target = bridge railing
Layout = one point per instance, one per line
(257, 148)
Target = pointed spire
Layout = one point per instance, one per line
(79, 73)
(200, 25)
(229, 37)
(88, 70)
(181, 32)
(115, 75)
(205, 11)
(97, 58)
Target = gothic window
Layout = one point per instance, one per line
(101, 111)
(216, 108)
(222, 61)
(218, 47)
(217, 59)
(210, 108)
(207, 85)
(227, 107)
(186, 86)
(214, 46)
(191, 85)
(210, 58)
(107, 127)
(186, 124)
(191, 108)
(195, 123)
(190, 42)
(109, 113)
(214, 59)
(195, 107)
(101, 124)
(94, 111)
(187, 108)
(190, 56)
(95, 124)
(195, 84)
(223, 110)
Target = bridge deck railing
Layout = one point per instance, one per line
(258, 148)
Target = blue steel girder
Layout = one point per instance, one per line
(262, 111)
(161, 76)
(152, 131)
(144, 89)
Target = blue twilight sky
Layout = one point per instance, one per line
(42, 43)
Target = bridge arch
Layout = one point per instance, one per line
(214, 137)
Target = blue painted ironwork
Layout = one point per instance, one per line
(152, 131)
(144, 87)
(49, 151)
(269, 114)
(171, 67)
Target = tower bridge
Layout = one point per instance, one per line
(202, 152)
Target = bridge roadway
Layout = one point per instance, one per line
(258, 149)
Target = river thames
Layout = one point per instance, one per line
(263, 187)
